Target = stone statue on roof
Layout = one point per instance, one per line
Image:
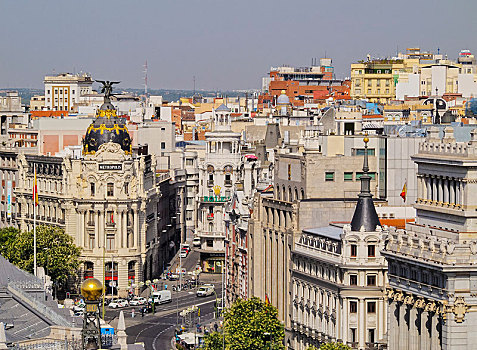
(107, 88)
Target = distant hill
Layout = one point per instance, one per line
(168, 95)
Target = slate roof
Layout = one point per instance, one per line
(25, 305)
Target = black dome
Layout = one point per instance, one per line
(107, 127)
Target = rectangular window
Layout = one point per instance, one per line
(353, 280)
(371, 175)
(110, 189)
(163, 145)
(126, 187)
(109, 242)
(360, 152)
(348, 176)
(371, 307)
(329, 176)
(371, 280)
(371, 251)
(354, 250)
(93, 189)
(210, 243)
(189, 162)
(353, 307)
(91, 241)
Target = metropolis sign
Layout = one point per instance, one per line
(110, 167)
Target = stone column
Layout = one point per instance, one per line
(380, 321)
(124, 228)
(428, 188)
(413, 343)
(96, 230)
(440, 192)
(446, 191)
(424, 336)
(102, 231)
(119, 230)
(393, 327)
(345, 326)
(136, 229)
(452, 191)
(462, 193)
(435, 342)
(362, 324)
(403, 330)
(458, 192)
(82, 233)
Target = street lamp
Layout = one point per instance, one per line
(91, 290)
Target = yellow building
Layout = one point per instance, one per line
(376, 80)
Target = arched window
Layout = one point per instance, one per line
(290, 195)
(211, 227)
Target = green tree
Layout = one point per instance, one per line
(213, 341)
(253, 324)
(334, 346)
(56, 251)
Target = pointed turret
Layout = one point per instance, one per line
(365, 213)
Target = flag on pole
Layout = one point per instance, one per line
(267, 301)
(35, 189)
(404, 191)
(112, 218)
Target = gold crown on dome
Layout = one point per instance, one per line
(108, 113)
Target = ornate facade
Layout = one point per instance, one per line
(339, 279)
(109, 201)
(432, 293)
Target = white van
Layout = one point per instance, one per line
(205, 290)
(161, 297)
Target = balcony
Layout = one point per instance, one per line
(228, 183)
(210, 216)
(110, 224)
(61, 221)
(210, 183)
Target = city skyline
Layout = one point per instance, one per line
(224, 45)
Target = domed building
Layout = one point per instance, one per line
(107, 127)
(109, 201)
(283, 106)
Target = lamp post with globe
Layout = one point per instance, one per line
(91, 290)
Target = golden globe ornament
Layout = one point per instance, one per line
(91, 289)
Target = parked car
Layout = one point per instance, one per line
(118, 303)
(137, 301)
(186, 246)
(205, 290)
(183, 253)
(196, 242)
(173, 277)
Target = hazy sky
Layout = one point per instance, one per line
(225, 44)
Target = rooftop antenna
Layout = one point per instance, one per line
(145, 78)
(193, 79)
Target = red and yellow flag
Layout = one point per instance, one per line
(267, 301)
(404, 192)
(35, 189)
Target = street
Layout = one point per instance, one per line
(156, 331)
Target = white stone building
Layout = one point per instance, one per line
(432, 263)
(62, 91)
(338, 280)
(218, 173)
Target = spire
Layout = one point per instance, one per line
(365, 215)
(122, 336)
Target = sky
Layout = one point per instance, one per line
(225, 44)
